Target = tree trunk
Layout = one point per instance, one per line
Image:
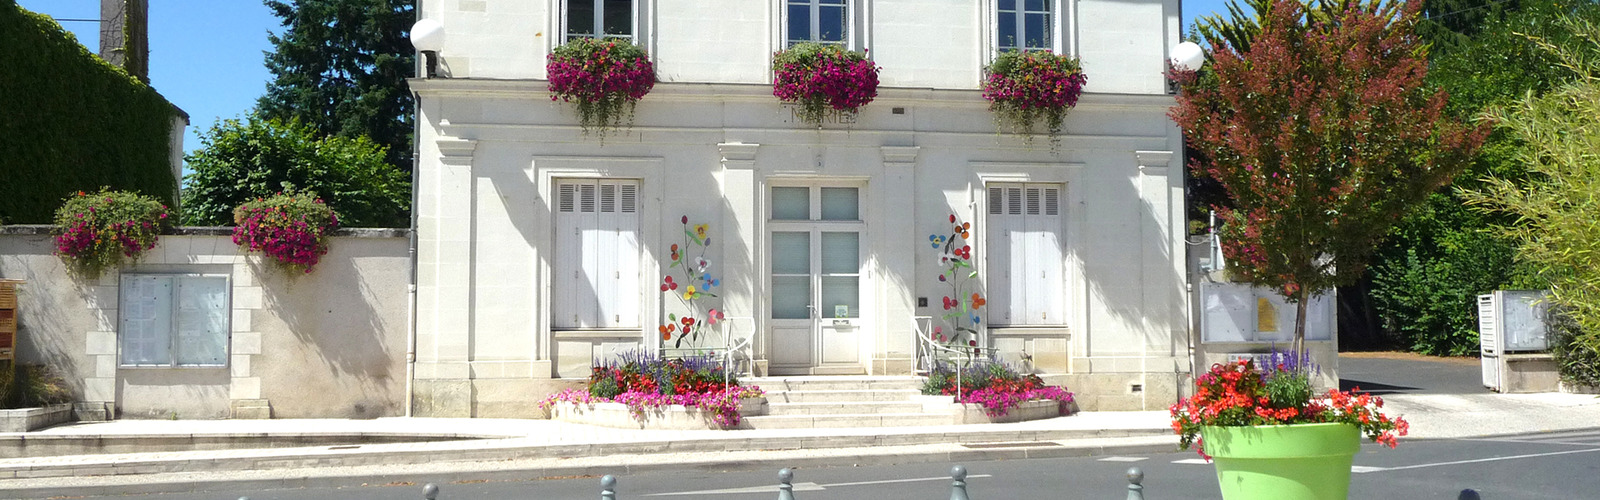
(1300, 323)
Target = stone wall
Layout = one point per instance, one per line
(331, 343)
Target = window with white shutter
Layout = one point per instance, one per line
(1025, 256)
(597, 281)
(174, 320)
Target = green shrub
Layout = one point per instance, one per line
(1576, 354)
(96, 232)
(1426, 283)
(239, 161)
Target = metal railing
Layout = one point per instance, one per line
(732, 346)
(958, 486)
(729, 350)
(930, 352)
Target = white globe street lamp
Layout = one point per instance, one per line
(428, 37)
(1187, 56)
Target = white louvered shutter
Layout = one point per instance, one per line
(146, 307)
(997, 251)
(625, 303)
(568, 287)
(597, 272)
(1025, 256)
(605, 255)
(1044, 256)
(1016, 309)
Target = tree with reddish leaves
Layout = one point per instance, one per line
(1323, 133)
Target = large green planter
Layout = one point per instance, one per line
(1283, 462)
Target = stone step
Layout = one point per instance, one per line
(842, 396)
(843, 408)
(833, 383)
(847, 421)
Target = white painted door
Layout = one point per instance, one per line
(815, 242)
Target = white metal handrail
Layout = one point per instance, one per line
(928, 349)
(732, 346)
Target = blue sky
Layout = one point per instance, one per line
(206, 55)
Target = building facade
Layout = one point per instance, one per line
(540, 249)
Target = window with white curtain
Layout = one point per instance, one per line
(174, 320)
(597, 283)
(599, 19)
(822, 21)
(1024, 25)
(1025, 256)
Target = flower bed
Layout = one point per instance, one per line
(687, 393)
(290, 227)
(997, 391)
(818, 77)
(604, 78)
(96, 232)
(1024, 87)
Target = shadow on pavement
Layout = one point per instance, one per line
(1375, 388)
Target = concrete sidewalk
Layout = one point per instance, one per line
(524, 449)
(491, 449)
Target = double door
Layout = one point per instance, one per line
(815, 238)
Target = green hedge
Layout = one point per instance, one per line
(70, 121)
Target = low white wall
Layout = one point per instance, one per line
(327, 344)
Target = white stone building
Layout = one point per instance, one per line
(804, 219)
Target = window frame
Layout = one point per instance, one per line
(1060, 27)
(853, 24)
(597, 29)
(172, 335)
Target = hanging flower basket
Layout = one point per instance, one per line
(1025, 87)
(817, 77)
(605, 78)
(291, 227)
(97, 231)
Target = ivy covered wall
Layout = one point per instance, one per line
(70, 121)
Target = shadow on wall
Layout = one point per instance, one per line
(343, 348)
(51, 320)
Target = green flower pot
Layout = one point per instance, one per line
(1283, 462)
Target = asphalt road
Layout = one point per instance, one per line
(1398, 373)
(1539, 466)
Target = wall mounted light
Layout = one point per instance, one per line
(428, 37)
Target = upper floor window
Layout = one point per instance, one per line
(822, 21)
(600, 18)
(1024, 25)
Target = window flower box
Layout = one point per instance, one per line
(604, 78)
(817, 77)
(1025, 87)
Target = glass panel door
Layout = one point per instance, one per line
(816, 280)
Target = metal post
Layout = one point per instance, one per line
(958, 485)
(1135, 490)
(785, 488)
(608, 487)
(430, 491)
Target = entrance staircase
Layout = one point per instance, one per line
(827, 401)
